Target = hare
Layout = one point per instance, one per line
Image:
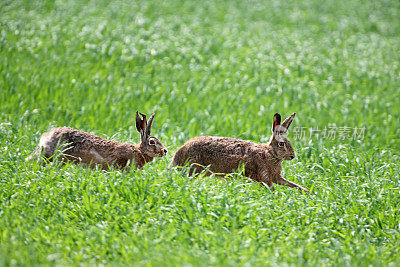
(262, 162)
(82, 147)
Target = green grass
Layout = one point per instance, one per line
(205, 67)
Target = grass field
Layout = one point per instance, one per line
(206, 68)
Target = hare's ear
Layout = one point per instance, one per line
(140, 124)
(149, 122)
(277, 121)
(286, 123)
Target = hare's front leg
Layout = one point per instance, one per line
(283, 181)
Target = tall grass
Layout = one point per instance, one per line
(206, 68)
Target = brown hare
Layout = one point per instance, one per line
(82, 147)
(262, 162)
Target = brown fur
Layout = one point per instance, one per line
(82, 147)
(262, 162)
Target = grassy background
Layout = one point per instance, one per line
(209, 67)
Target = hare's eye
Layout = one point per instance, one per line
(281, 144)
(152, 142)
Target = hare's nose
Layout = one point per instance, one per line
(291, 157)
(165, 152)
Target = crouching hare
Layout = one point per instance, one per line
(82, 147)
(262, 162)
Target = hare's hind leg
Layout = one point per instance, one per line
(263, 180)
(267, 185)
(35, 154)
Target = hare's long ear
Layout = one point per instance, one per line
(149, 122)
(141, 124)
(286, 123)
(277, 121)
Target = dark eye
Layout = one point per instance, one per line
(281, 144)
(152, 142)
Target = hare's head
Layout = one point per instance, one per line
(149, 145)
(281, 146)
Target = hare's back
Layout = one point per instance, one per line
(220, 145)
(75, 140)
(222, 153)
